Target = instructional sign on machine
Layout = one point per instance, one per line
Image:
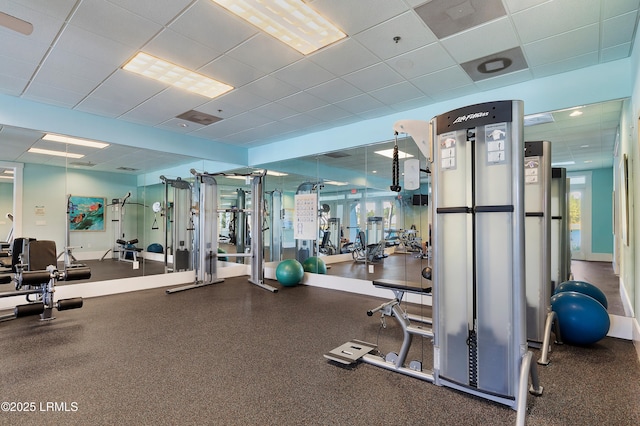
(305, 222)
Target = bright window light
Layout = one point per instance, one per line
(389, 153)
(74, 141)
(166, 72)
(55, 153)
(290, 21)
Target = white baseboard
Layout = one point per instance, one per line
(599, 257)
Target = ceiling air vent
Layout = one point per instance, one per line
(81, 164)
(198, 117)
(127, 169)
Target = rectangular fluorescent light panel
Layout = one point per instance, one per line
(389, 153)
(6, 177)
(334, 182)
(563, 163)
(74, 141)
(290, 21)
(166, 72)
(54, 153)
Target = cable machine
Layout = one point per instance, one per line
(178, 224)
(205, 235)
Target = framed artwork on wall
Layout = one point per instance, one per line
(86, 213)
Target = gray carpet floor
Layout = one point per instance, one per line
(235, 354)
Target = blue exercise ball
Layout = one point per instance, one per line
(315, 265)
(584, 288)
(155, 248)
(582, 319)
(289, 272)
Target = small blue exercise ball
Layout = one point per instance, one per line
(315, 265)
(289, 272)
(584, 288)
(582, 319)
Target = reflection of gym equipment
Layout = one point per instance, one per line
(36, 275)
(560, 247)
(69, 258)
(537, 222)
(408, 241)
(205, 241)
(123, 250)
(374, 252)
(276, 216)
(479, 298)
(178, 224)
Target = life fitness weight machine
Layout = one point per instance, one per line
(123, 249)
(178, 224)
(479, 299)
(205, 236)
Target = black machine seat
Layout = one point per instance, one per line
(41, 253)
(402, 286)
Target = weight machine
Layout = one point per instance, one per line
(123, 249)
(205, 235)
(36, 274)
(178, 224)
(479, 296)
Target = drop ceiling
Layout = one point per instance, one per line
(395, 58)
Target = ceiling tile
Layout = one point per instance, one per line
(619, 30)
(616, 52)
(422, 61)
(93, 46)
(179, 125)
(397, 93)
(505, 80)
(551, 18)
(52, 95)
(484, 40)
(334, 90)
(270, 88)
(344, 57)
(59, 9)
(113, 22)
(163, 106)
(565, 65)
(573, 43)
(180, 50)
(329, 113)
(303, 74)
(20, 47)
(412, 32)
(373, 77)
(360, 104)
(357, 15)
(75, 65)
(104, 107)
(441, 81)
(300, 120)
(302, 102)
(619, 7)
(160, 11)
(211, 25)
(231, 71)
(232, 103)
(265, 53)
(275, 111)
(127, 89)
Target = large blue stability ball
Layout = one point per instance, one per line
(315, 265)
(289, 272)
(584, 288)
(582, 319)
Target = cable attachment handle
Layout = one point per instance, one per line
(395, 168)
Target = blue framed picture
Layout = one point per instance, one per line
(86, 213)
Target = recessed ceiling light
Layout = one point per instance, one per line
(74, 141)
(166, 72)
(584, 146)
(334, 182)
(290, 21)
(575, 113)
(389, 153)
(278, 174)
(54, 153)
(563, 163)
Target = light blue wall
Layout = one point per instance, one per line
(45, 190)
(601, 211)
